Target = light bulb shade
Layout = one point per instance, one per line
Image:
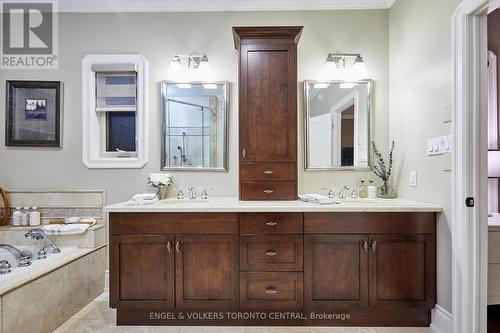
(204, 69)
(175, 71)
(329, 70)
(359, 70)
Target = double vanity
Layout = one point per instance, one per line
(228, 262)
(268, 259)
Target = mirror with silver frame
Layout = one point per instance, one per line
(337, 125)
(195, 125)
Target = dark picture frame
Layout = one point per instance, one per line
(33, 114)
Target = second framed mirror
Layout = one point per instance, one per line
(337, 125)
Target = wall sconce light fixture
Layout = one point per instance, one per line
(189, 67)
(344, 67)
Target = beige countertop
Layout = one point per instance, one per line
(220, 205)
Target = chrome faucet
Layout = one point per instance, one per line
(38, 234)
(192, 193)
(343, 192)
(330, 194)
(22, 257)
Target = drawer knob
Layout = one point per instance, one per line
(268, 172)
(271, 223)
(271, 253)
(268, 191)
(271, 291)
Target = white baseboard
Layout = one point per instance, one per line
(106, 281)
(441, 320)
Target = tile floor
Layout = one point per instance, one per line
(97, 317)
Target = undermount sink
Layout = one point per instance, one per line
(359, 200)
(182, 201)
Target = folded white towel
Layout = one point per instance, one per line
(77, 219)
(65, 229)
(144, 196)
(141, 202)
(317, 199)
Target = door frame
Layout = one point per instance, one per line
(469, 171)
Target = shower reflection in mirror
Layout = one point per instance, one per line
(337, 124)
(195, 118)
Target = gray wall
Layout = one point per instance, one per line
(158, 36)
(420, 85)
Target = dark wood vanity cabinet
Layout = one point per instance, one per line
(142, 271)
(267, 111)
(402, 269)
(339, 258)
(380, 268)
(178, 263)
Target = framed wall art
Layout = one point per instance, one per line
(34, 116)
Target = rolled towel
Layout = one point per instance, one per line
(65, 229)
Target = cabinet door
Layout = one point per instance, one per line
(268, 102)
(206, 272)
(142, 271)
(336, 272)
(402, 271)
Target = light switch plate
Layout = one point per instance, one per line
(440, 145)
(413, 178)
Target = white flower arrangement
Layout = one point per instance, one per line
(160, 179)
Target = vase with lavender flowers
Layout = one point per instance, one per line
(383, 170)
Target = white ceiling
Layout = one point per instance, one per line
(216, 5)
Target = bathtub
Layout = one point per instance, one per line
(51, 290)
(21, 275)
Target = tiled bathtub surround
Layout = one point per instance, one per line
(42, 296)
(56, 204)
(43, 304)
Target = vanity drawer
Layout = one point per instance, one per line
(271, 223)
(271, 290)
(281, 172)
(268, 190)
(271, 253)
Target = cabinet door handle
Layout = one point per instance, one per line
(271, 223)
(268, 172)
(244, 153)
(374, 246)
(177, 247)
(268, 191)
(365, 246)
(271, 291)
(271, 253)
(169, 247)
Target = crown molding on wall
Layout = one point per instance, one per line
(97, 6)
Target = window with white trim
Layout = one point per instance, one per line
(114, 111)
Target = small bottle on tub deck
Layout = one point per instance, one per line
(34, 218)
(362, 190)
(372, 191)
(16, 217)
(25, 217)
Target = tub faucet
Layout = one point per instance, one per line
(38, 234)
(343, 192)
(22, 257)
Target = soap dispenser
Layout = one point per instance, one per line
(362, 190)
